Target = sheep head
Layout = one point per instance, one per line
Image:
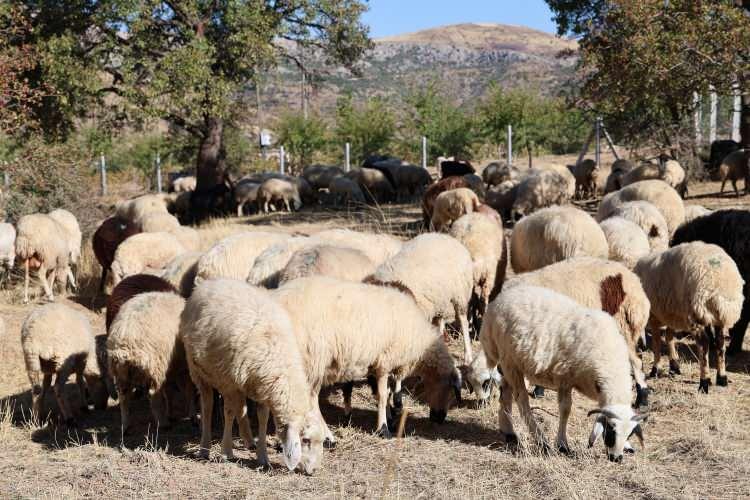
(302, 443)
(616, 423)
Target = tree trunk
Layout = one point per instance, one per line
(745, 120)
(210, 167)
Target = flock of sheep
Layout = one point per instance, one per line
(274, 317)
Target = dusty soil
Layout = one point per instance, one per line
(696, 445)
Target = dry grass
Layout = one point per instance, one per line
(697, 445)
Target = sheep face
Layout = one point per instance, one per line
(616, 424)
(303, 445)
(480, 378)
(441, 390)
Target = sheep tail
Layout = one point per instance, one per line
(34, 369)
(24, 247)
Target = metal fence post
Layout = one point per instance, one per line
(510, 144)
(158, 173)
(103, 173)
(736, 112)
(598, 144)
(347, 158)
(281, 160)
(424, 152)
(713, 116)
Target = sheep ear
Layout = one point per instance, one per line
(638, 431)
(292, 449)
(597, 430)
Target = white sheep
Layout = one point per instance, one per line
(377, 246)
(58, 340)
(437, 270)
(136, 209)
(694, 211)
(188, 237)
(184, 184)
(483, 238)
(627, 241)
(691, 287)
(267, 268)
(603, 285)
(7, 245)
(73, 239)
(554, 234)
(272, 191)
(540, 189)
(241, 343)
(144, 252)
(143, 350)
(180, 272)
(245, 193)
(158, 222)
(656, 192)
(347, 331)
(535, 334)
(42, 244)
(234, 256)
(326, 260)
(649, 219)
(562, 170)
(450, 205)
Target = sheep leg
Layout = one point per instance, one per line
(262, 451)
(81, 383)
(189, 390)
(347, 390)
(702, 344)
(239, 209)
(506, 409)
(641, 389)
(656, 349)
(103, 280)
(124, 394)
(243, 422)
(398, 402)
(286, 205)
(564, 401)
(721, 352)
(39, 393)
(723, 181)
(59, 389)
(72, 279)
(382, 425)
(464, 320)
(26, 282)
(674, 360)
(160, 407)
(42, 274)
(207, 410)
(329, 440)
(230, 407)
(734, 186)
(524, 408)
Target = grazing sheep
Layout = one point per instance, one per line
(614, 179)
(475, 183)
(345, 191)
(181, 271)
(136, 209)
(129, 288)
(627, 241)
(342, 263)
(442, 291)
(451, 168)
(58, 340)
(692, 286)
(144, 252)
(586, 176)
(267, 268)
(377, 246)
(569, 184)
(7, 245)
(554, 234)
(694, 211)
(42, 244)
(483, 238)
(184, 184)
(671, 172)
(320, 176)
(675, 176)
(490, 212)
(411, 181)
(278, 191)
(347, 331)
(241, 343)
(535, 334)
(501, 197)
(188, 238)
(73, 238)
(144, 350)
(540, 189)
(245, 193)
(234, 256)
(105, 241)
(450, 205)
(495, 174)
(428, 200)
(158, 222)
(649, 219)
(729, 229)
(308, 195)
(735, 166)
(375, 185)
(603, 285)
(656, 192)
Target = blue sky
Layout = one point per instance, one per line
(392, 17)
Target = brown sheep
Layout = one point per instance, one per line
(428, 200)
(734, 167)
(129, 288)
(105, 241)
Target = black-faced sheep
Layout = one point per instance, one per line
(535, 334)
(614, 179)
(586, 176)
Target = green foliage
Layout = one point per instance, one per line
(449, 128)
(369, 127)
(302, 138)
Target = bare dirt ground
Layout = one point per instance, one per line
(696, 445)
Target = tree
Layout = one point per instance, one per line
(450, 130)
(368, 127)
(302, 138)
(641, 62)
(183, 61)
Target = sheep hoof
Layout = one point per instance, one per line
(654, 372)
(398, 402)
(674, 367)
(203, 454)
(641, 398)
(703, 385)
(329, 443)
(511, 439)
(537, 393)
(71, 422)
(734, 348)
(348, 419)
(564, 449)
(384, 432)
(721, 380)
(438, 416)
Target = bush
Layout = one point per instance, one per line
(302, 138)
(369, 128)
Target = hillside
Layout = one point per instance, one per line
(465, 58)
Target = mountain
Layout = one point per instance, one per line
(464, 58)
